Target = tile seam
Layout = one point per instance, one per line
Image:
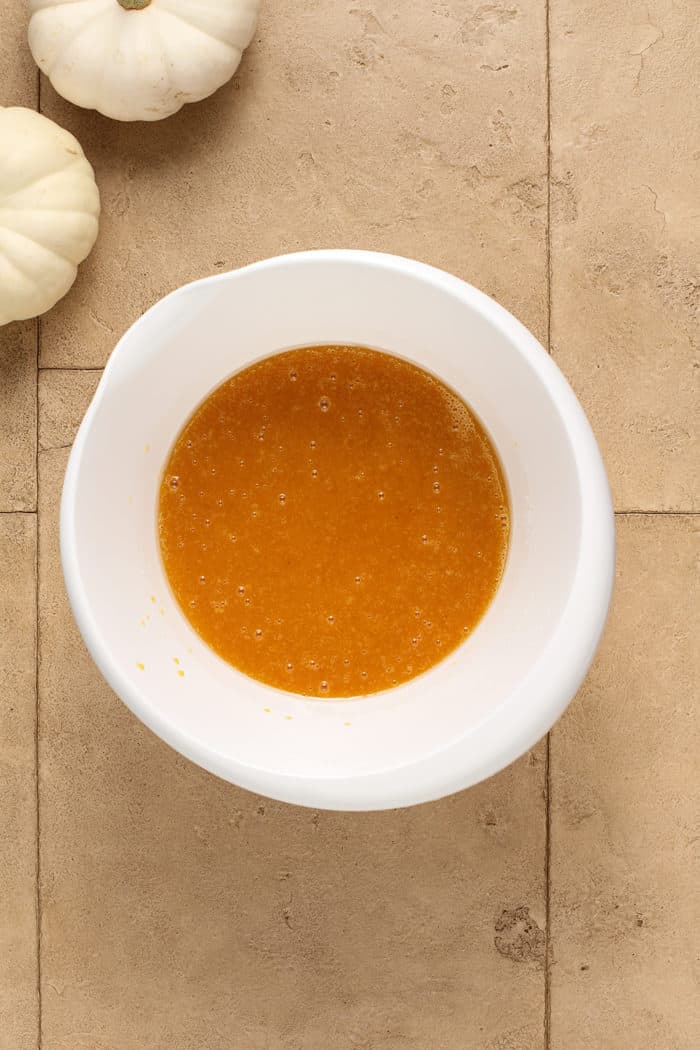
(548, 744)
(39, 1033)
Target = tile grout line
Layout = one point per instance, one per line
(36, 745)
(72, 368)
(548, 103)
(547, 881)
(657, 513)
(547, 1020)
(39, 1033)
(36, 737)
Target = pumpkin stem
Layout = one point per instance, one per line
(133, 5)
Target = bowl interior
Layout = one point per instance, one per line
(165, 365)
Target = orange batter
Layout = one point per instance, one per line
(333, 521)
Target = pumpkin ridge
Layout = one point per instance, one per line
(49, 212)
(37, 244)
(47, 175)
(69, 43)
(28, 278)
(164, 56)
(190, 25)
(45, 213)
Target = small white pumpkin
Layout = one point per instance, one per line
(49, 207)
(139, 59)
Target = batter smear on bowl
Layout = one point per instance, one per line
(333, 521)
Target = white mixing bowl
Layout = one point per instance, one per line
(488, 701)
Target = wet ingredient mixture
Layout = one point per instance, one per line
(333, 521)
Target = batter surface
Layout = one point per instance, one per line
(333, 521)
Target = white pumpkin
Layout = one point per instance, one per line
(139, 59)
(49, 207)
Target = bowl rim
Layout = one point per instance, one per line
(541, 696)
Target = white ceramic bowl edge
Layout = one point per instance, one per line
(477, 710)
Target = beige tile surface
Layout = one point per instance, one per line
(179, 911)
(19, 1007)
(18, 416)
(19, 1013)
(64, 396)
(397, 127)
(625, 220)
(625, 864)
(18, 87)
(20, 79)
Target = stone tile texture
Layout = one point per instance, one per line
(18, 416)
(18, 87)
(386, 126)
(19, 1015)
(624, 810)
(625, 297)
(19, 1003)
(64, 397)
